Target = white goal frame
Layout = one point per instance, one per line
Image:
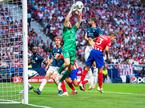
(25, 52)
(25, 99)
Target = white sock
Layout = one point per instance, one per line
(43, 83)
(57, 80)
(92, 81)
(95, 75)
(29, 85)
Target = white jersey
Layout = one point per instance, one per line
(87, 51)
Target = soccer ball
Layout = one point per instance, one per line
(79, 6)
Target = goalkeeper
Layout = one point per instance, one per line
(69, 48)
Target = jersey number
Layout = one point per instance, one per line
(99, 42)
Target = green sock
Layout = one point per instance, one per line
(64, 76)
(61, 69)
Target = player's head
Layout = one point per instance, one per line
(92, 21)
(58, 40)
(113, 37)
(69, 25)
(34, 49)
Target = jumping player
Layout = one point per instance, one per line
(35, 62)
(55, 60)
(92, 32)
(101, 44)
(69, 47)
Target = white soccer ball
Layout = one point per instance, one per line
(79, 6)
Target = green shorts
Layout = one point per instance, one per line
(71, 55)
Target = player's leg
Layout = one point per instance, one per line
(66, 62)
(72, 81)
(69, 63)
(63, 86)
(100, 80)
(72, 56)
(31, 74)
(89, 63)
(99, 64)
(56, 77)
(44, 81)
(95, 74)
(91, 79)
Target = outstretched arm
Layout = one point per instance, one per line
(67, 18)
(79, 19)
(107, 52)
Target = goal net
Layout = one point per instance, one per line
(11, 51)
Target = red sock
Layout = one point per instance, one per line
(83, 75)
(85, 81)
(63, 87)
(71, 86)
(100, 79)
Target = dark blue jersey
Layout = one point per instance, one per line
(93, 32)
(56, 61)
(36, 61)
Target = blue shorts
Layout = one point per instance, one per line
(97, 56)
(73, 74)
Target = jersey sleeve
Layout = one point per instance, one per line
(75, 28)
(41, 59)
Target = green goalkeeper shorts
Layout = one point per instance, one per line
(71, 55)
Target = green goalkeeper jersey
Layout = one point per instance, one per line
(69, 38)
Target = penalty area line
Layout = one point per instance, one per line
(39, 106)
(123, 93)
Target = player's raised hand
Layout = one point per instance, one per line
(72, 8)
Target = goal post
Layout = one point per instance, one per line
(25, 51)
(13, 51)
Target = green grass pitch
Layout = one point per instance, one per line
(114, 96)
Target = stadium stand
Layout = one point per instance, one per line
(125, 18)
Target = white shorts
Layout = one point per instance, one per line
(87, 52)
(32, 73)
(52, 70)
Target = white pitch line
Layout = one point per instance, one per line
(38, 106)
(123, 93)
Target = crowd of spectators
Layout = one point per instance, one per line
(124, 18)
(11, 40)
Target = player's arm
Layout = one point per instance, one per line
(107, 54)
(49, 61)
(79, 20)
(45, 62)
(30, 61)
(89, 40)
(67, 18)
